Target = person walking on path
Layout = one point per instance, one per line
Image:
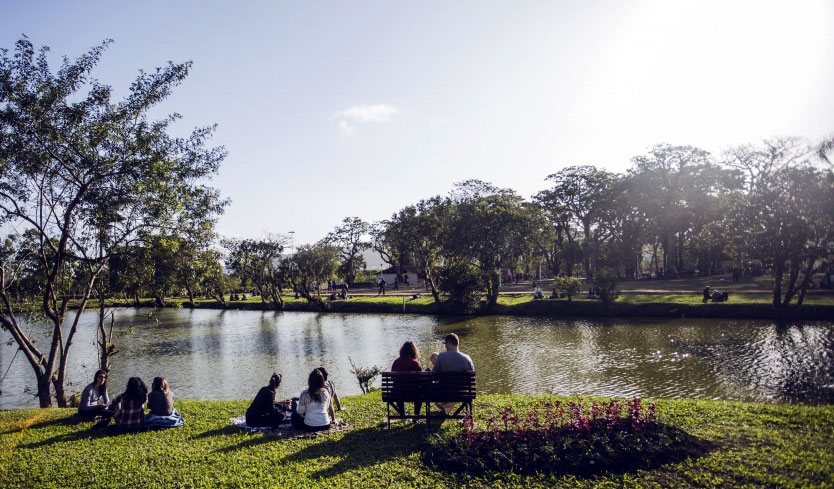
(381, 284)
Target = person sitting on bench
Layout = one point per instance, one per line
(408, 362)
(452, 360)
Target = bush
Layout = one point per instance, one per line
(464, 285)
(364, 375)
(609, 286)
(558, 439)
(570, 285)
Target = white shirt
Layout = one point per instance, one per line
(315, 413)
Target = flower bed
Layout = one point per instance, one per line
(567, 438)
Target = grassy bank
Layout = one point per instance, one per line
(739, 306)
(758, 445)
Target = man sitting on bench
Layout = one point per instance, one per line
(452, 360)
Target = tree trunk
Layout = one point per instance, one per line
(492, 288)
(44, 392)
(778, 269)
(190, 291)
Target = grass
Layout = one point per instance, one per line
(760, 445)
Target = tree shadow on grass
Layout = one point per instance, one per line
(361, 448)
(226, 430)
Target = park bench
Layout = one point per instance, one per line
(426, 388)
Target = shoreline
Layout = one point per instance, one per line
(540, 308)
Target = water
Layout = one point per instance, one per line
(210, 354)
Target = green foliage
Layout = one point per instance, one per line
(463, 285)
(350, 240)
(364, 375)
(569, 285)
(760, 445)
(609, 286)
(85, 176)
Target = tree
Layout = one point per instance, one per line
(349, 239)
(259, 261)
(787, 209)
(669, 179)
(580, 197)
(418, 231)
(309, 267)
(87, 176)
(487, 227)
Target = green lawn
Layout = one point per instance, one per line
(760, 445)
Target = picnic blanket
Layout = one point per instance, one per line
(153, 421)
(240, 422)
(286, 431)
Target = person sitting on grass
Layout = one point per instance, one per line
(161, 404)
(311, 413)
(331, 388)
(131, 413)
(706, 294)
(537, 293)
(94, 399)
(264, 411)
(407, 362)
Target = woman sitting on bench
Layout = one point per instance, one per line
(407, 362)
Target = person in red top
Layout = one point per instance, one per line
(407, 362)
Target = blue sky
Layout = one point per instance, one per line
(335, 109)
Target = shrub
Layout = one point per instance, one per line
(364, 375)
(564, 439)
(464, 284)
(570, 285)
(609, 286)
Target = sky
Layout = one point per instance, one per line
(337, 109)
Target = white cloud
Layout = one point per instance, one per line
(346, 119)
(345, 127)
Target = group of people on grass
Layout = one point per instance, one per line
(315, 408)
(312, 410)
(128, 408)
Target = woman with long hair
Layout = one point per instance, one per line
(408, 362)
(131, 413)
(264, 411)
(94, 398)
(161, 398)
(312, 414)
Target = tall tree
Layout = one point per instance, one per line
(667, 178)
(259, 261)
(487, 228)
(788, 211)
(418, 230)
(309, 267)
(580, 196)
(87, 175)
(351, 240)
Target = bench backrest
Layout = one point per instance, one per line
(453, 387)
(428, 386)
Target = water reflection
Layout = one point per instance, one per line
(230, 354)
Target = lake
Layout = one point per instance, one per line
(212, 354)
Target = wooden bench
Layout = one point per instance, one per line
(426, 388)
